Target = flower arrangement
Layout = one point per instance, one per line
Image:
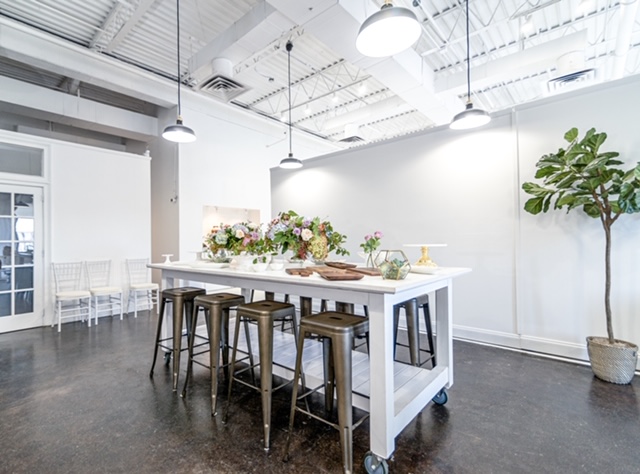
(370, 244)
(234, 238)
(305, 236)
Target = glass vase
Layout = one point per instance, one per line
(393, 264)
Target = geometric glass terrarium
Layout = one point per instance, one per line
(393, 264)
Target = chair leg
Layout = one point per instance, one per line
(411, 313)
(216, 320)
(427, 322)
(294, 394)
(342, 366)
(178, 309)
(232, 364)
(265, 336)
(158, 334)
(190, 342)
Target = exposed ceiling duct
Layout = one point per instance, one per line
(570, 69)
(217, 80)
(352, 134)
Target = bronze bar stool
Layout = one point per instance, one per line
(411, 308)
(264, 313)
(337, 331)
(182, 299)
(216, 310)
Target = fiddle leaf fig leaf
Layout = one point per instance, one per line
(534, 205)
(571, 135)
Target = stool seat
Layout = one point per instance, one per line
(216, 306)
(269, 308)
(183, 292)
(182, 299)
(335, 323)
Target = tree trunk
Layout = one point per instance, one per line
(607, 284)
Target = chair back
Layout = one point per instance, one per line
(137, 270)
(67, 276)
(99, 273)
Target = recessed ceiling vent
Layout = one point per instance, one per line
(351, 134)
(216, 80)
(571, 69)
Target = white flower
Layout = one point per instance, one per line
(239, 234)
(306, 234)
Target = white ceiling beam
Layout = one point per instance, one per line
(124, 31)
(532, 60)
(47, 104)
(336, 23)
(38, 49)
(627, 18)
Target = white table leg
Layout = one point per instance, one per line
(381, 376)
(444, 329)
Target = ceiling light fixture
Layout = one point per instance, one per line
(178, 133)
(388, 31)
(469, 117)
(290, 162)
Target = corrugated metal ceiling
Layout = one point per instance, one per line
(325, 86)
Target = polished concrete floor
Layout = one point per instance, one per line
(81, 401)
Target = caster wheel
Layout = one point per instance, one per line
(441, 397)
(167, 358)
(375, 465)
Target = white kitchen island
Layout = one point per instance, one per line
(397, 392)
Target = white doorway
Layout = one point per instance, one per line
(21, 257)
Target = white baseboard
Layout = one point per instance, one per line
(543, 347)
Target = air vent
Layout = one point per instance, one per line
(222, 87)
(351, 134)
(216, 80)
(351, 140)
(571, 72)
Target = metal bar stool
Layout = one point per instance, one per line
(182, 299)
(264, 313)
(337, 331)
(411, 308)
(216, 310)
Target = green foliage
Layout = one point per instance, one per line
(581, 176)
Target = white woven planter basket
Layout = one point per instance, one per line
(612, 363)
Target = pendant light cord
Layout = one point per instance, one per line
(178, 28)
(468, 65)
(289, 48)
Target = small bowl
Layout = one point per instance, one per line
(276, 265)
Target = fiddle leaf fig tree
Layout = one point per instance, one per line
(581, 176)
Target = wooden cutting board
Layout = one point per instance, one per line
(366, 271)
(305, 272)
(340, 265)
(341, 275)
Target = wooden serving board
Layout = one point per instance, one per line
(341, 275)
(340, 265)
(366, 271)
(305, 272)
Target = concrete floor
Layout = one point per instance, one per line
(82, 402)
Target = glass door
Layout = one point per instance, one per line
(21, 258)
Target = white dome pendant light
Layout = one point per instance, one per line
(178, 133)
(469, 117)
(388, 31)
(290, 162)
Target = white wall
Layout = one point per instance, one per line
(227, 166)
(537, 281)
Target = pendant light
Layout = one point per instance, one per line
(388, 31)
(178, 133)
(290, 162)
(469, 117)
